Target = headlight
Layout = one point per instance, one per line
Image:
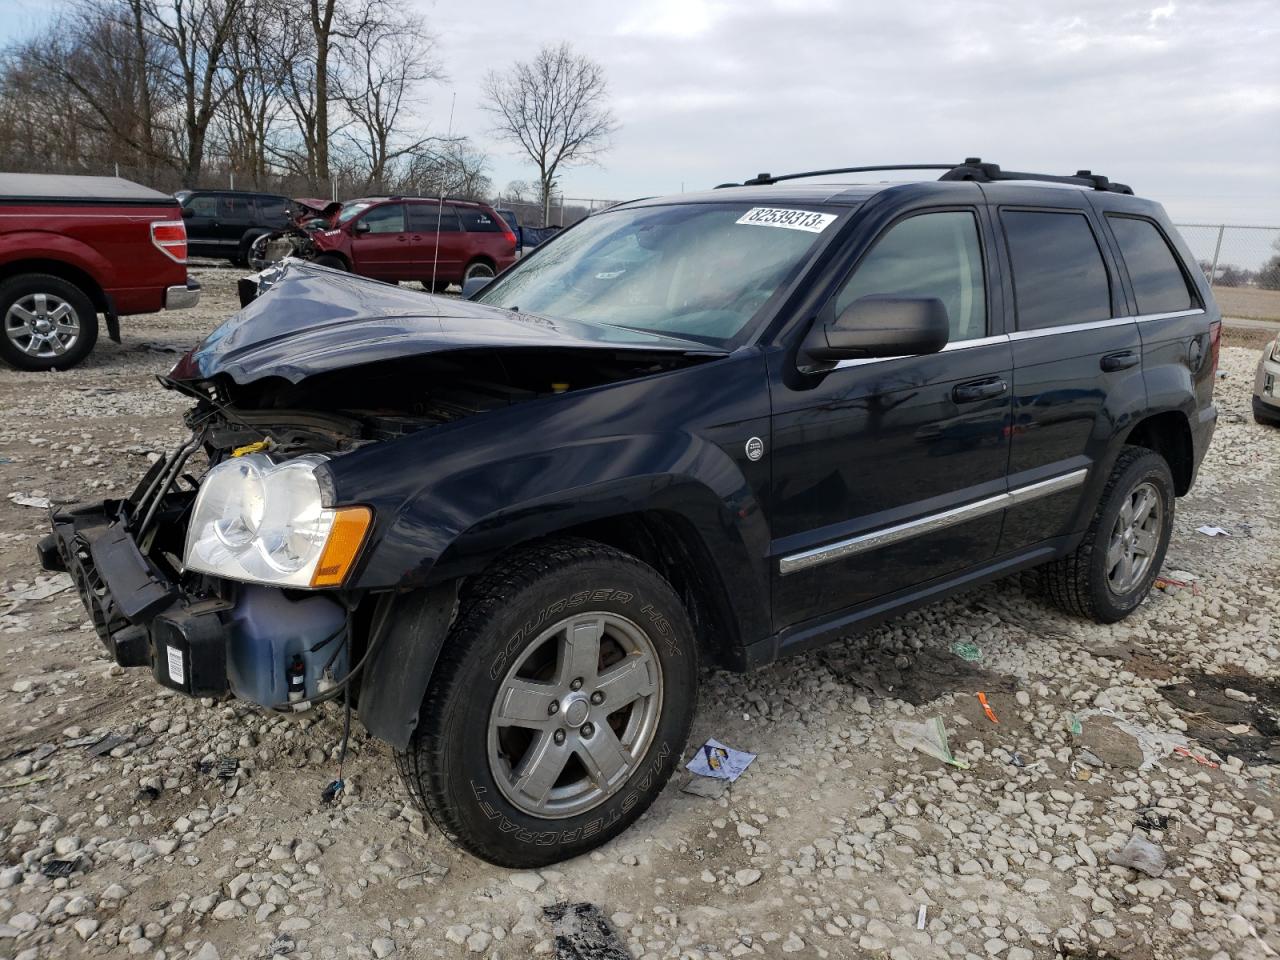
(1275, 350)
(266, 523)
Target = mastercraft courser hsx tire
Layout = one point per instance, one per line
(1091, 581)
(560, 705)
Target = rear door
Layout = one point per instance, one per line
(380, 244)
(1077, 363)
(890, 473)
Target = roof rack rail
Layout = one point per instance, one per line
(762, 179)
(972, 169)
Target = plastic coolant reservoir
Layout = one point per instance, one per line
(269, 631)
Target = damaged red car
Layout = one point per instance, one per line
(398, 238)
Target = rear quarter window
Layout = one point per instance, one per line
(475, 220)
(1059, 276)
(1158, 281)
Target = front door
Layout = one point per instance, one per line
(380, 244)
(889, 473)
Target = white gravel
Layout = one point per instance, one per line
(829, 845)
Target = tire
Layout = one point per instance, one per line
(333, 261)
(439, 286)
(478, 268)
(512, 634)
(1090, 582)
(57, 306)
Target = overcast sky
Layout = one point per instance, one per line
(1182, 100)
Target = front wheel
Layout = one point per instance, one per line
(1111, 572)
(478, 268)
(332, 261)
(559, 708)
(49, 323)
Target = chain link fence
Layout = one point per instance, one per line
(1242, 264)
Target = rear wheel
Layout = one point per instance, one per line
(1112, 570)
(559, 708)
(478, 268)
(49, 323)
(332, 261)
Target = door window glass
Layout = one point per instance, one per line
(234, 208)
(1158, 282)
(1058, 273)
(423, 217)
(388, 218)
(928, 255)
(203, 206)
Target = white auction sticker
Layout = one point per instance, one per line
(176, 673)
(806, 220)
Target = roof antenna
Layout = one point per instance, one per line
(435, 257)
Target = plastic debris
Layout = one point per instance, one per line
(1155, 745)
(930, 738)
(54, 869)
(986, 707)
(1148, 819)
(149, 794)
(1140, 854)
(1017, 759)
(105, 745)
(1073, 724)
(969, 652)
(1199, 758)
(23, 500)
(921, 916)
(1212, 531)
(227, 767)
(333, 791)
(583, 933)
(715, 760)
(27, 781)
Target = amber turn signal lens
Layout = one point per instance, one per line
(350, 524)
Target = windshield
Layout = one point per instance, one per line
(352, 209)
(701, 271)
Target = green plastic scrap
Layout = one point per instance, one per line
(1073, 724)
(966, 651)
(930, 738)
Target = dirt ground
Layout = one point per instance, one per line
(199, 830)
(1249, 302)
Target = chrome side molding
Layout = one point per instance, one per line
(934, 522)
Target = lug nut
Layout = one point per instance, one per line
(576, 684)
(597, 697)
(559, 737)
(553, 708)
(588, 730)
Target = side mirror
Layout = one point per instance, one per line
(361, 227)
(187, 213)
(474, 285)
(880, 327)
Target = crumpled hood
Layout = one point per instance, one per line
(312, 319)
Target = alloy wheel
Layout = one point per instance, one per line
(575, 715)
(1135, 537)
(42, 325)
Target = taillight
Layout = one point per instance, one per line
(508, 233)
(1215, 343)
(170, 236)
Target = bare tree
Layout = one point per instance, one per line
(454, 168)
(383, 66)
(251, 90)
(555, 108)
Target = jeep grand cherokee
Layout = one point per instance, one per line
(713, 428)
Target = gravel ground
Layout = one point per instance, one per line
(836, 842)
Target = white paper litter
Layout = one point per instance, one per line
(719, 762)
(1210, 531)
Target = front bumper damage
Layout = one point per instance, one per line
(141, 613)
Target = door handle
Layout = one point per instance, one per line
(978, 390)
(1120, 361)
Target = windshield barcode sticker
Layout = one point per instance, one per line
(790, 219)
(176, 673)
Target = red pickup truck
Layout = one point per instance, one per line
(75, 247)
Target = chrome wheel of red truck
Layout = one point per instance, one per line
(48, 322)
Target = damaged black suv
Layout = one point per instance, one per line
(708, 429)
